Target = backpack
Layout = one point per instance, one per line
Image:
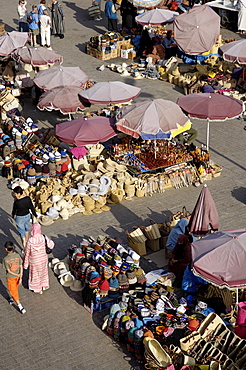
(29, 18)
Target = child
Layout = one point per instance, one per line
(45, 22)
(12, 263)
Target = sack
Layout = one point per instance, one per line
(94, 11)
(29, 18)
(48, 250)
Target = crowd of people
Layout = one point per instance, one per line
(41, 20)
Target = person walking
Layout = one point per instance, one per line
(21, 212)
(12, 263)
(22, 12)
(241, 23)
(57, 18)
(32, 19)
(110, 13)
(41, 7)
(45, 22)
(36, 259)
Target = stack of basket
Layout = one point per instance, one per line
(136, 240)
(153, 236)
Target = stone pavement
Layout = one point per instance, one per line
(57, 332)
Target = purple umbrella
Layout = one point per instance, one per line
(10, 41)
(112, 92)
(204, 216)
(220, 258)
(60, 76)
(36, 56)
(156, 16)
(197, 30)
(85, 131)
(234, 51)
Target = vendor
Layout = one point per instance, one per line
(179, 228)
(188, 137)
(180, 257)
(169, 45)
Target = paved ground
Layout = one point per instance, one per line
(56, 332)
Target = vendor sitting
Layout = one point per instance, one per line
(187, 138)
(169, 45)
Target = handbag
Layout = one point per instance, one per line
(48, 250)
(94, 11)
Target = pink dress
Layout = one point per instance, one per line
(37, 260)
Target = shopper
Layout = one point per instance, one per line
(21, 212)
(36, 259)
(241, 23)
(32, 19)
(45, 23)
(57, 18)
(128, 13)
(110, 13)
(22, 12)
(41, 7)
(12, 263)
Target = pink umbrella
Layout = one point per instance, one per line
(110, 92)
(234, 51)
(197, 30)
(65, 99)
(156, 16)
(85, 131)
(10, 41)
(220, 258)
(36, 56)
(204, 216)
(213, 107)
(60, 76)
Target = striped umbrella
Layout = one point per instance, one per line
(146, 3)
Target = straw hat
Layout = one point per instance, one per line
(67, 280)
(54, 261)
(59, 267)
(54, 199)
(22, 183)
(45, 220)
(64, 214)
(53, 213)
(125, 73)
(76, 286)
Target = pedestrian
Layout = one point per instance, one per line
(241, 23)
(110, 13)
(22, 12)
(12, 263)
(45, 23)
(180, 257)
(36, 259)
(57, 18)
(41, 7)
(21, 212)
(128, 13)
(32, 19)
(169, 45)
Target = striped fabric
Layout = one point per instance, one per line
(36, 258)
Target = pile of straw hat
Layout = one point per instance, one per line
(61, 269)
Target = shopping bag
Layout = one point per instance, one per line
(94, 11)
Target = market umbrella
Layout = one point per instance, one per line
(39, 56)
(150, 119)
(220, 258)
(145, 3)
(234, 51)
(112, 92)
(60, 76)
(65, 99)
(84, 131)
(156, 17)
(10, 41)
(213, 107)
(204, 216)
(197, 30)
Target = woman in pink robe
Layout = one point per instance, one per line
(37, 259)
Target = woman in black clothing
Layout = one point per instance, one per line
(21, 212)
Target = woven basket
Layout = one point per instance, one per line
(153, 244)
(117, 195)
(140, 248)
(140, 193)
(136, 236)
(152, 231)
(130, 190)
(88, 203)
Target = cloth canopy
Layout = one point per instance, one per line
(39, 56)
(10, 41)
(156, 16)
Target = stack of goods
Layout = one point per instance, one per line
(9, 104)
(106, 270)
(110, 45)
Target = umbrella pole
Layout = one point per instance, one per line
(155, 147)
(208, 124)
(237, 296)
(69, 117)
